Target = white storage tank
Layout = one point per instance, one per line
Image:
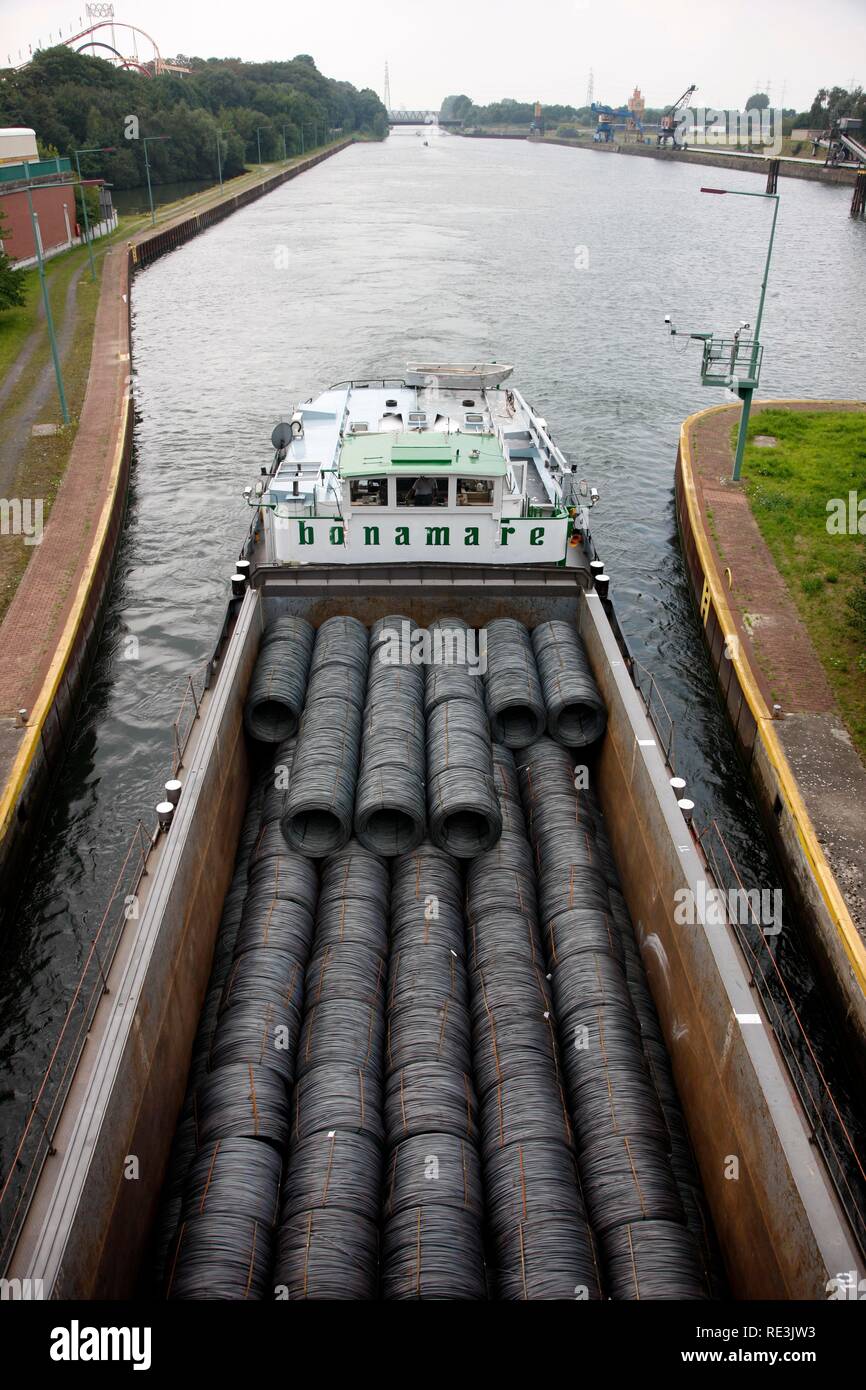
(17, 143)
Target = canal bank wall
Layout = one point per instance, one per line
(753, 164)
(809, 783)
(50, 631)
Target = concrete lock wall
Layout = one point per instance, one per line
(814, 896)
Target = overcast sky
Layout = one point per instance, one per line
(511, 47)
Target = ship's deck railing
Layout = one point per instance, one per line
(829, 1132)
(36, 1143)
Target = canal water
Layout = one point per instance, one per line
(559, 261)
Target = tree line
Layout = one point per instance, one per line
(74, 101)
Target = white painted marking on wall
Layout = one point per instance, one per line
(749, 1018)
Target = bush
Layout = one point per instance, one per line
(856, 604)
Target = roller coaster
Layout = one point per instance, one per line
(103, 35)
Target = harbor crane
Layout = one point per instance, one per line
(606, 115)
(668, 121)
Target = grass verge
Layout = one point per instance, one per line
(819, 459)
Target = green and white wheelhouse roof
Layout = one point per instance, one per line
(406, 453)
(437, 421)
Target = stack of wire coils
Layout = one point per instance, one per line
(515, 703)
(463, 810)
(432, 1233)
(320, 806)
(623, 1142)
(539, 1243)
(279, 681)
(328, 1237)
(391, 797)
(225, 1243)
(576, 715)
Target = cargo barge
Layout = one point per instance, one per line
(628, 1120)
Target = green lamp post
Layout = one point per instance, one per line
(735, 362)
(147, 140)
(95, 149)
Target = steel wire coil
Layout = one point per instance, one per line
(514, 700)
(587, 980)
(426, 970)
(438, 923)
(512, 853)
(458, 737)
(615, 1100)
(391, 805)
(428, 1033)
(279, 683)
(626, 1180)
(356, 873)
(346, 970)
(337, 1095)
(277, 782)
(183, 1150)
(433, 1252)
(326, 1254)
(334, 1170)
(205, 1033)
(392, 631)
(577, 930)
(463, 812)
(513, 984)
(659, 1067)
(547, 1258)
(576, 714)
(560, 814)
(288, 875)
(352, 920)
(531, 1181)
(341, 683)
(341, 1030)
(264, 974)
(281, 924)
(432, 1170)
(257, 1031)
(321, 800)
(220, 1256)
(288, 627)
(596, 1037)
(242, 1101)
(652, 1260)
(499, 931)
(544, 769)
(234, 1177)
(430, 1098)
(529, 1105)
(699, 1223)
(399, 682)
(444, 683)
(340, 641)
(501, 1055)
(568, 886)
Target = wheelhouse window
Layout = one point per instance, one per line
(474, 492)
(368, 492)
(422, 492)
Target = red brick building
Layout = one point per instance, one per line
(54, 206)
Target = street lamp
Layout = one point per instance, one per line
(95, 149)
(736, 362)
(259, 130)
(285, 148)
(49, 318)
(145, 141)
(219, 159)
